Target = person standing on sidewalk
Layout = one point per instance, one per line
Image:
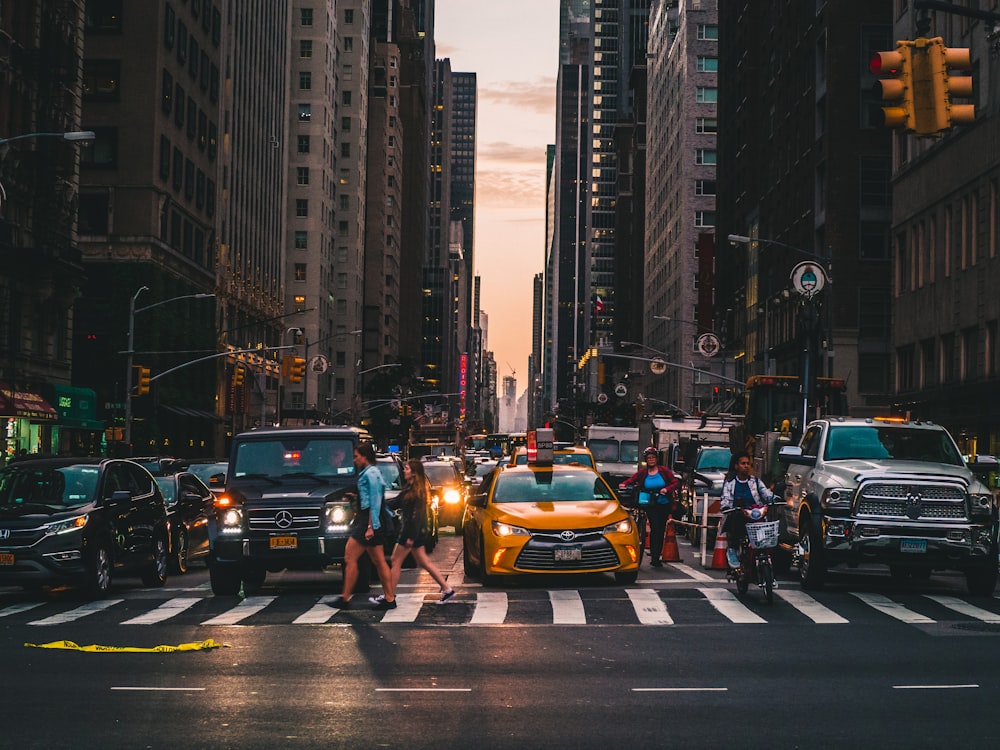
(366, 531)
(656, 486)
(415, 500)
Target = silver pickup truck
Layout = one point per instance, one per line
(887, 491)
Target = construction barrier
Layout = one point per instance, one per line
(719, 552)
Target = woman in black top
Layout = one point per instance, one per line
(415, 500)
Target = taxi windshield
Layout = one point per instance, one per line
(549, 487)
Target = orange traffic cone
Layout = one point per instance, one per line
(645, 533)
(670, 553)
(719, 552)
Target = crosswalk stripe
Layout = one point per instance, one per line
(246, 608)
(407, 608)
(649, 607)
(730, 607)
(567, 608)
(691, 572)
(75, 614)
(964, 608)
(164, 612)
(319, 613)
(885, 605)
(18, 608)
(811, 608)
(491, 608)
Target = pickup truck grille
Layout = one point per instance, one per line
(283, 519)
(912, 501)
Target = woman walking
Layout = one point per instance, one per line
(414, 511)
(656, 486)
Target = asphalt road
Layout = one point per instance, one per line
(573, 663)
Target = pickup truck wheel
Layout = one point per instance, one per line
(812, 566)
(982, 580)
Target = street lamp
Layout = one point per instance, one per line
(72, 135)
(132, 310)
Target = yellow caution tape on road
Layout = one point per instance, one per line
(94, 648)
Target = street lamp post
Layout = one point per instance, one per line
(72, 135)
(132, 311)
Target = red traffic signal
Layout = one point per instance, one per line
(896, 86)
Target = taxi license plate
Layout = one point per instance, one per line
(568, 554)
(284, 542)
(6, 558)
(918, 546)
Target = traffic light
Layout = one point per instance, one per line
(296, 370)
(896, 85)
(141, 380)
(941, 87)
(238, 376)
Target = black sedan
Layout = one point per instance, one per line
(189, 506)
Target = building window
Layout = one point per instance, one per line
(305, 112)
(300, 271)
(179, 99)
(874, 190)
(874, 314)
(106, 18)
(345, 150)
(704, 218)
(345, 124)
(707, 95)
(705, 156)
(305, 48)
(164, 158)
(167, 93)
(305, 80)
(299, 303)
(301, 240)
(345, 202)
(306, 17)
(101, 79)
(873, 243)
(341, 281)
(342, 228)
(708, 31)
(348, 44)
(103, 151)
(345, 98)
(302, 175)
(303, 144)
(970, 354)
(706, 125)
(188, 179)
(873, 373)
(199, 189)
(708, 64)
(904, 369)
(301, 207)
(349, 15)
(704, 187)
(347, 73)
(948, 363)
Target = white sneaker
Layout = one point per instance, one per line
(732, 558)
(377, 599)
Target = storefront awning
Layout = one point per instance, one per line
(24, 405)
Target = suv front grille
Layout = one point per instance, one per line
(283, 519)
(22, 537)
(912, 501)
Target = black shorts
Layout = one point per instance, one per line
(359, 531)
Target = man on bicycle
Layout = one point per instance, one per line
(740, 490)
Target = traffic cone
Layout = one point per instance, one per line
(719, 552)
(645, 534)
(670, 553)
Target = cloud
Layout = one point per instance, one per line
(509, 189)
(538, 95)
(512, 155)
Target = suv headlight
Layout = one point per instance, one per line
(338, 517)
(452, 497)
(837, 498)
(67, 525)
(981, 505)
(505, 529)
(622, 527)
(232, 521)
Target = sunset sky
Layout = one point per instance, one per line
(513, 48)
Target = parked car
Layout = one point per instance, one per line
(81, 521)
(210, 471)
(189, 506)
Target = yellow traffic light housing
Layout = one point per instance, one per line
(296, 370)
(238, 375)
(896, 86)
(942, 60)
(141, 380)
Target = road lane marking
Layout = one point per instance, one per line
(319, 613)
(423, 690)
(567, 608)
(934, 687)
(649, 607)
(690, 572)
(681, 690)
(165, 611)
(407, 608)
(730, 607)
(161, 689)
(491, 608)
(18, 608)
(887, 606)
(964, 608)
(246, 608)
(811, 608)
(75, 614)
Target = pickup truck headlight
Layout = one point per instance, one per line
(505, 529)
(837, 498)
(981, 505)
(66, 525)
(232, 521)
(338, 518)
(622, 527)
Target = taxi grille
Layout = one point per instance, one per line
(539, 553)
(913, 501)
(283, 519)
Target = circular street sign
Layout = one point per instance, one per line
(657, 366)
(709, 345)
(808, 278)
(621, 390)
(319, 364)
(602, 398)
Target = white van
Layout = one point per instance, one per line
(616, 451)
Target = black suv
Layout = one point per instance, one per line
(80, 520)
(285, 504)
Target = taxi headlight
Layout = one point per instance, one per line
(505, 529)
(622, 527)
(451, 497)
(232, 521)
(66, 525)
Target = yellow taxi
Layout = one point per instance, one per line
(542, 517)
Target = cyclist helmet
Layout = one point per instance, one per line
(650, 451)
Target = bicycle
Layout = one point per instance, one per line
(627, 497)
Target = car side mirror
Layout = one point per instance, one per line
(478, 500)
(118, 496)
